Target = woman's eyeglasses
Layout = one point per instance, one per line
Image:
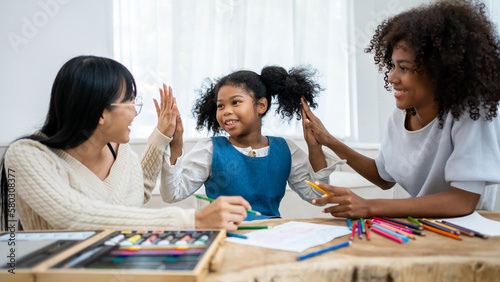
(137, 105)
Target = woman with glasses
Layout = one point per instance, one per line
(78, 171)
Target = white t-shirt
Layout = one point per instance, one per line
(464, 154)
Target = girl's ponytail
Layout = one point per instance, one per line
(289, 87)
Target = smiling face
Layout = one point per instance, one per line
(115, 123)
(412, 88)
(237, 111)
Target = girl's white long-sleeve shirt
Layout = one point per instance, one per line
(192, 170)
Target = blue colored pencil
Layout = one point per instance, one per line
(236, 235)
(345, 244)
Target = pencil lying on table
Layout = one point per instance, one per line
(463, 229)
(454, 236)
(345, 244)
(211, 200)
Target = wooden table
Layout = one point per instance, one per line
(428, 258)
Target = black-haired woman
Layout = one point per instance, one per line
(78, 171)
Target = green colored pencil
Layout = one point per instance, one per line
(414, 221)
(211, 200)
(362, 225)
(253, 227)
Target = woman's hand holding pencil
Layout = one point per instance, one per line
(347, 203)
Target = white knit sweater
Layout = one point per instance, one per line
(55, 191)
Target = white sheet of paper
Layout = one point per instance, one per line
(476, 222)
(292, 236)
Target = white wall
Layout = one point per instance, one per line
(37, 37)
(374, 103)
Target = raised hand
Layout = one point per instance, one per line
(167, 111)
(312, 125)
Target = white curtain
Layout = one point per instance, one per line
(182, 42)
(493, 7)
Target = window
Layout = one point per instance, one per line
(183, 42)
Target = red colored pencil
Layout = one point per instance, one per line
(353, 232)
(367, 229)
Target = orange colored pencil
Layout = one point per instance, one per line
(454, 236)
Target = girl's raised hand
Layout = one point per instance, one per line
(177, 143)
(167, 111)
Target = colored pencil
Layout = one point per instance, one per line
(345, 244)
(362, 225)
(403, 237)
(318, 188)
(378, 219)
(463, 229)
(368, 237)
(414, 221)
(396, 230)
(360, 231)
(429, 222)
(412, 226)
(394, 226)
(349, 224)
(211, 200)
(439, 231)
(446, 226)
(353, 232)
(236, 235)
(253, 227)
(378, 231)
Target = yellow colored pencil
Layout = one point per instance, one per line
(317, 188)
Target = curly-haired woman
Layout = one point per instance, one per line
(442, 142)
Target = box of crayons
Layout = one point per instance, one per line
(112, 255)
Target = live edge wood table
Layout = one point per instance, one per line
(428, 258)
